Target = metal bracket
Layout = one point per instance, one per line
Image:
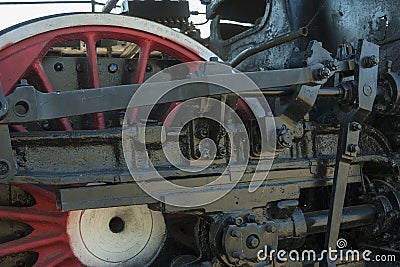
(306, 96)
(367, 79)
(366, 73)
(7, 164)
(3, 104)
(300, 106)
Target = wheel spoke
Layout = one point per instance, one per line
(19, 128)
(45, 200)
(41, 74)
(144, 54)
(65, 125)
(56, 259)
(94, 79)
(29, 215)
(31, 242)
(173, 109)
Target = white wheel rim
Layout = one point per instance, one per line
(96, 19)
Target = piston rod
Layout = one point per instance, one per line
(326, 92)
(354, 216)
(317, 221)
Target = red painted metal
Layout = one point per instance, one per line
(24, 58)
(49, 236)
(94, 79)
(17, 61)
(145, 50)
(42, 78)
(172, 111)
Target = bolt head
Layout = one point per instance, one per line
(46, 125)
(79, 67)
(370, 61)
(21, 162)
(355, 126)
(325, 72)
(253, 241)
(352, 148)
(253, 218)
(286, 139)
(4, 167)
(203, 132)
(235, 233)
(237, 220)
(331, 65)
(149, 68)
(270, 228)
(367, 90)
(322, 73)
(58, 66)
(380, 108)
(389, 65)
(221, 150)
(113, 68)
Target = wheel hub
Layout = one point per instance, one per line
(120, 236)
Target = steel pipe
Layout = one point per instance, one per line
(354, 216)
(274, 42)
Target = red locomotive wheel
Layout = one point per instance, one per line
(121, 236)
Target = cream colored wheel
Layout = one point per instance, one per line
(120, 236)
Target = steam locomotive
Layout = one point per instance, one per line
(75, 149)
